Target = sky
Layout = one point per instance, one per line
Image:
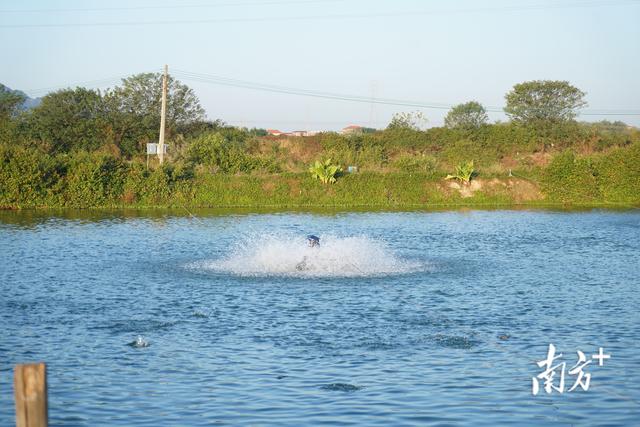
(431, 52)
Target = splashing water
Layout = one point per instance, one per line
(277, 255)
(139, 342)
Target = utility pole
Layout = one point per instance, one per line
(163, 114)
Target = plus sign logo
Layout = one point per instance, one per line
(600, 357)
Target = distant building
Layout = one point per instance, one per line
(351, 129)
(302, 133)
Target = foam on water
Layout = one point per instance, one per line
(289, 255)
(139, 342)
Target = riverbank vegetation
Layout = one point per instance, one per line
(82, 148)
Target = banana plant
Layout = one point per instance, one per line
(464, 172)
(325, 171)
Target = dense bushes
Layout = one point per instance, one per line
(218, 152)
(28, 177)
(93, 180)
(416, 163)
(570, 179)
(619, 174)
(32, 178)
(576, 163)
(608, 177)
(35, 177)
(486, 144)
(359, 149)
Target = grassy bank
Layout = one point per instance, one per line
(612, 179)
(84, 149)
(298, 190)
(570, 164)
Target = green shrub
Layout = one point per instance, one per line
(28, 177)
(135, 183)
(619, 174)
(94, 180)
(325, 171)
(464, 172)
(459, 151)
(416, 163)
(360, 149)
(220, 154)
(569, 179)
(158, 185)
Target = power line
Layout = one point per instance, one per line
(298, 122)
(596, 3)
(230, 82)
(204, 78)
(182, 6)
(99, 82)
(223, 81)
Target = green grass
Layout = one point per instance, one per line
(300, 191)
(33, 179)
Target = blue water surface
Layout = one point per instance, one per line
(447, 331)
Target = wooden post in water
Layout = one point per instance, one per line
(30, 390)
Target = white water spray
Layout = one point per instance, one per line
(289, 255)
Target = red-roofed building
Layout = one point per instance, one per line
(274, 132)
(352, 129)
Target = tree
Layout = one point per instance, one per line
(10, 101)
(67, 120)
(612, 127)
(412, 121)
(470, 115)
(199, 127)
(544, 101)
(134, 108)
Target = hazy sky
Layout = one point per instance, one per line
(428, 51)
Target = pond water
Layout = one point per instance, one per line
(396, 319)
